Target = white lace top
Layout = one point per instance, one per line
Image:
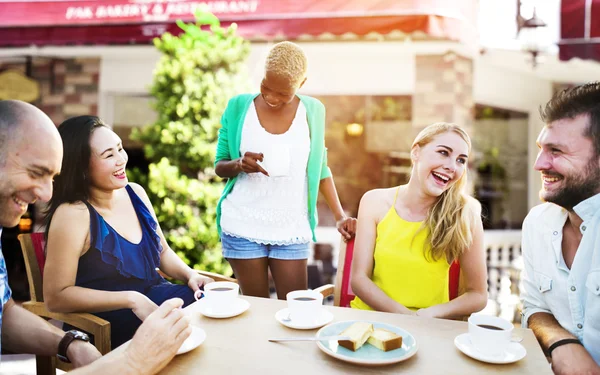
(271, 210)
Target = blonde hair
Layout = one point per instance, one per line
(288, 59)
(449, 219)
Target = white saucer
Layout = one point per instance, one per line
(324, 318)
(196, 338)
(513, 353)
(236, 308)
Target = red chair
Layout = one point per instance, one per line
(454, 280)
(342, 290)
(33, 246)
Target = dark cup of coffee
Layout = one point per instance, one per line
(304, 305)
(487, 326)
(490, 335)
(221, 294)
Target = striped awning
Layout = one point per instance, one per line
(580, 29)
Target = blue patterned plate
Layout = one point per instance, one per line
(367, 354)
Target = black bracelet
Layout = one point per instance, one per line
(561, 343)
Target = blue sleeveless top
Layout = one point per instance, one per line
(113, 263)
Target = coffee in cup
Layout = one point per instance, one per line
(220, 295)
(490, 335)
(305, 306)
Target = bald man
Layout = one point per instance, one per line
(30, 156)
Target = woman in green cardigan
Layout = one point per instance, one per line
(271, 149)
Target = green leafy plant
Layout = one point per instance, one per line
(198, 72)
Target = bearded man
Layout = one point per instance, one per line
(561, 237)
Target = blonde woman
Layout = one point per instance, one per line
(272, 149)
(408, 236)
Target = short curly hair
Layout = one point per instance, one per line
(288, 59)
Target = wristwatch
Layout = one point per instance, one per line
(67, 340)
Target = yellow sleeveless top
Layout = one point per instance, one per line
(401, 270)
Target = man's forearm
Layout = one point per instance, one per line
(115, 363)
(547, 329)
(25, 332)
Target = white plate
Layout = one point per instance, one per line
(513, 353)
(367, 354)
(196, 338)
(237, 307)
(282, 315)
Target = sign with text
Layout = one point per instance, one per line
(84, 12)
(54, 13)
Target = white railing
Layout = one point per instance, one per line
(504, 262)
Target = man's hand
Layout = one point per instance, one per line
(572, 359)
(81, 353)
(157, 340)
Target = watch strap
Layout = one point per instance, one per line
(67, 339)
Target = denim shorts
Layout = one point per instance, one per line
(241, 248)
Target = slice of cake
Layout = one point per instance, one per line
(359, 333)
(385, 340)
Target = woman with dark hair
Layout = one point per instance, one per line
(104, 244)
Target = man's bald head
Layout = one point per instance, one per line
(30, 156)
(19, 119)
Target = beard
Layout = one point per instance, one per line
(577, 187)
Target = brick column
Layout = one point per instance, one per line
(443, 91)
(68, 87)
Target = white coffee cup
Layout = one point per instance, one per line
(276, 160)
(305, 306)
(490, 335)
(219, 295)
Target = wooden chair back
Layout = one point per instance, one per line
(32, 246)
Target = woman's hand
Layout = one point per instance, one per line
(142, 305)
(347, 227)
(428, 313)
(248, 163)
(399, 309)
(196, 281)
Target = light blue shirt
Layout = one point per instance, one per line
(4, 289)
(572, 296)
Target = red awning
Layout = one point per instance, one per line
(138, 21)
(580, 29)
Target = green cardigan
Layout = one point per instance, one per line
(230, 137)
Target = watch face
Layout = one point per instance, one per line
(79, 335)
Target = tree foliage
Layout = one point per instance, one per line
(198, 72)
